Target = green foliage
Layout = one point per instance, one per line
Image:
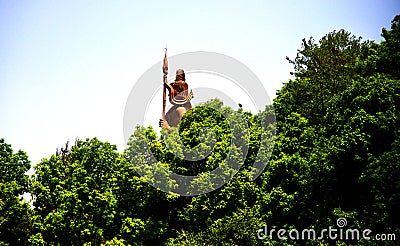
(389, 50)
(322, 70)
(15, 213)
(235, 229)
(332, 58)
(364, 132)
(331, 158)
(73, 189)
(210, 144)
(89, 193)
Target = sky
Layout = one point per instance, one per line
(67, 67)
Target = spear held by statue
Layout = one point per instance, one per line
(165, 71)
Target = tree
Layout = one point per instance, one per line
(73, 191)
(321, 71)
(363, 138)
(210, 126)
(90, 194)
(389, 52)
(336, 152)
(15, 213)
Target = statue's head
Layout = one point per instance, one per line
(180, 84)
(180, 75)
(180, 93)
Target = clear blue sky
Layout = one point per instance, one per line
(67, 67)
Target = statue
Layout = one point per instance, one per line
(179, 96)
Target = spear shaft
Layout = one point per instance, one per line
(165, 71)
